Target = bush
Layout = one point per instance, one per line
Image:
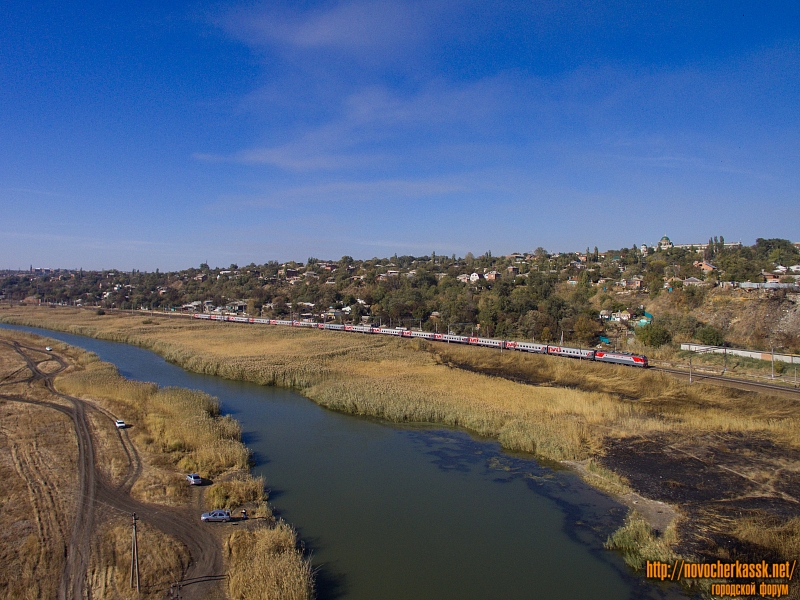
(710, 336)
(653, 335)
(100, 311)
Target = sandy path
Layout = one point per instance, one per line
(95, 493)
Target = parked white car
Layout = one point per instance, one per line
(194, 479)
(120, 424)
(216, 515)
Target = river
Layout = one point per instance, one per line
(411, 512)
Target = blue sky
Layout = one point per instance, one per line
(162, 135)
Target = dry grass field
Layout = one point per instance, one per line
(173, 431)
(706, 450)
(37, 455)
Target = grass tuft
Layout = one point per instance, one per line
(265, 564)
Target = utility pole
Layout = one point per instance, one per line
(135, 557)
(725, 366)
(773, 363)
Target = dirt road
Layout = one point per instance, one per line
(96, 493)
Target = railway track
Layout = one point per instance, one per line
(746, 384)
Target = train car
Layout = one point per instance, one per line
(531, 347)
(362, 328)
(261, 321)
(239, 319)
(304, 324)
(455, 339)
(490, 343)
(334, 326)
(387, 331)
(425, 335)
(621, 358)
(570, 352)
(199, 316)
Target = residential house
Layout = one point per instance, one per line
(693, 281)
(512, 270)
(237, 306)
(463, 278)
(704, 266)
(474, 277)
(492, 275)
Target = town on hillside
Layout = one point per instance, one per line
(653, 294)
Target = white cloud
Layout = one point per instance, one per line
(354, 27)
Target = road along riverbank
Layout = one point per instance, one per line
(126, 471)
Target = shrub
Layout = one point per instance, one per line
(710, 335)
(100, 311)
(653, 335)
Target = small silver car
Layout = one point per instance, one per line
(194, 479)
(216, 515)
(120, 424)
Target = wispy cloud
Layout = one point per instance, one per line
(383, 191)
(350, 27)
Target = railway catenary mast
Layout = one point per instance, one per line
(620, 358)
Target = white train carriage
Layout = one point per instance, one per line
(456, 339)
(621, 358)
(570, 352)
(362, 328)
(490, 343)
(531, 347)
(387, 331)
(334, 326)
(425, 335)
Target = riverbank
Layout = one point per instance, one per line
(564, 411)
(170, 431)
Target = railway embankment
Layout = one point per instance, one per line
(702, 449)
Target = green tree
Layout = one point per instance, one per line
(653, 335)
(710, 335)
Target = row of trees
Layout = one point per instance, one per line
(550, 296)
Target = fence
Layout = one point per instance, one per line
(756, 354)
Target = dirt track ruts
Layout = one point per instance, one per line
(95, 493)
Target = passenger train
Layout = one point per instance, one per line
(621, 358)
